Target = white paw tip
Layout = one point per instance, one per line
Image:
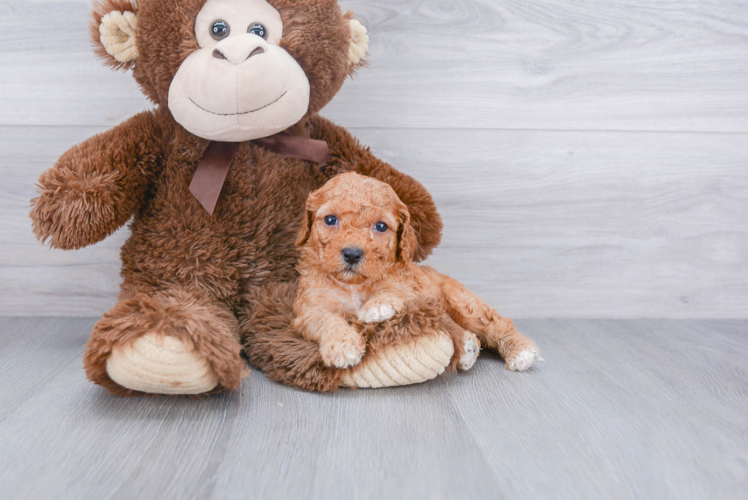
(378, 314)
(523, 360)
(472, 349)
(348, 358)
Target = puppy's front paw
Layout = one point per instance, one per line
(522, 361)
(377, 313)
(343, 351)
(378, 310)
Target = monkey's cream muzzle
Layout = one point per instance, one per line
(241, 89)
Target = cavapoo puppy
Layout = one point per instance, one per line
(357, 265)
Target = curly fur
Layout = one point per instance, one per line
(336, 298)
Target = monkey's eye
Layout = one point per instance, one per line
(380, 227)
(331, 220)
(257, 29)
(220, 29)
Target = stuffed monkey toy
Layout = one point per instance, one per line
(214, 181)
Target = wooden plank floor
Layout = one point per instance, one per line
(619, 409)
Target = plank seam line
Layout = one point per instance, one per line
(452, 129)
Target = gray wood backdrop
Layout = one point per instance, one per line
(590, 158)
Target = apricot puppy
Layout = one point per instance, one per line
(357, 264)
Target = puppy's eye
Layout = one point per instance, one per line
(331, 220)
(380, 227)
(220, 29)
(257, 29)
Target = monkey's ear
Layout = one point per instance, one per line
(406, 237)
(359, 43)
(113, 32)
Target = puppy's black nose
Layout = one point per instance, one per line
(352, 255)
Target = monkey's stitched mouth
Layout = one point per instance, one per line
(243, 112)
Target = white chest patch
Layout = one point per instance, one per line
(349, 298)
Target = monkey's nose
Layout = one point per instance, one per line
(256, 52)
(352, 255)
(236, 56)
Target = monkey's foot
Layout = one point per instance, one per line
(423, 360)
(161, 364)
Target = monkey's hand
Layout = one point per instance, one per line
(77, 208)
(94, 188)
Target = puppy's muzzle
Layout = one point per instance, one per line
(352, 255)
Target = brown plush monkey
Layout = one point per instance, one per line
(214, 180)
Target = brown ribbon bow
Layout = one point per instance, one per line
(211, 173)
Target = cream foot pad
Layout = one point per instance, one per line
(161, 365)
(396, 365)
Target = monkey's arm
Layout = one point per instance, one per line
(95, 187)
(348, 154)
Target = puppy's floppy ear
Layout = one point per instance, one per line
(306, 228)
(113, 32)
(406, 236)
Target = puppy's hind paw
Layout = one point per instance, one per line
(472, 350)
(377, 313)
(523, 360)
